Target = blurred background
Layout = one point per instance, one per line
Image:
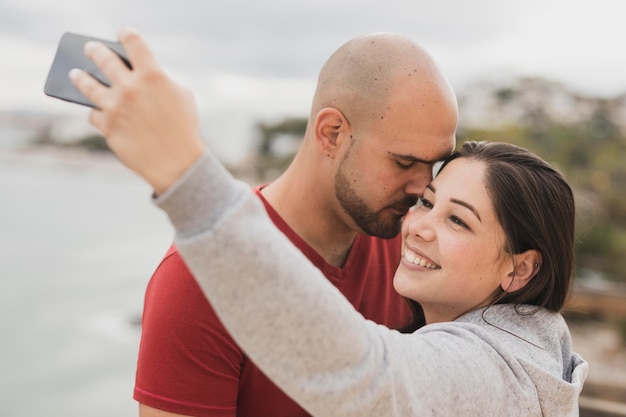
(79, 238)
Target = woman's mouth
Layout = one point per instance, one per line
(416, 259)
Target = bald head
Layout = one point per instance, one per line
(382, 115)
(360, 76)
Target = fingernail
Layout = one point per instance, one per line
(89, 45)
(73, 74)
(124, 32)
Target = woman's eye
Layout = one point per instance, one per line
(425, 203)
(459, 222)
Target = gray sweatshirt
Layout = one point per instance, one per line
(299, 329)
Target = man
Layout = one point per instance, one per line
(381, 116)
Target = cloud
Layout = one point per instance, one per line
(247, 59)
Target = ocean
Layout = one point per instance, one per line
(79, 239)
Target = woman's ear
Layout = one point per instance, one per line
(330, 128)
(525, 267)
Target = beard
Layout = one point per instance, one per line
(374, 223)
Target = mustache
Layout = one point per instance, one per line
(405, 204)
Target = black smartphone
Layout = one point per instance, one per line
(70, 54)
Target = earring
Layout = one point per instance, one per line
(536, 266)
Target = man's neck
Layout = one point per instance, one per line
(308, 214)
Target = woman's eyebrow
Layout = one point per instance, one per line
(467, 205)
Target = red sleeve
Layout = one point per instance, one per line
(188, 364)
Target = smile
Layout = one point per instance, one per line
(416, 260)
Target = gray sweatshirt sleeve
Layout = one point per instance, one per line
(305, 336)
(275, 303)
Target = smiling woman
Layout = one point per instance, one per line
(483, 219)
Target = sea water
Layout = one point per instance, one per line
(79, 239)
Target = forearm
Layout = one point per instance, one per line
(294, 324)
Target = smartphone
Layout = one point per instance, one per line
(70, 54)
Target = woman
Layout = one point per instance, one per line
(487, 254)
(488, 257)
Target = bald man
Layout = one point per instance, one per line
(381, 116)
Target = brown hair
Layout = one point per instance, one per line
(535, 207)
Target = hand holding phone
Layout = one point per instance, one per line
(70, 55)
(150, 121)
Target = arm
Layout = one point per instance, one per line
(151, 124)
(265, 291)
(305, 335)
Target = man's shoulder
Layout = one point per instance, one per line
(172, 251)
(172, 260)
(172, 270)
(172, 287)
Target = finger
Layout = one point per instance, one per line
(92, 89)
(97, 119)
(136, 48)
(106, 60)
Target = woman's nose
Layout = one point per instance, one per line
(419, 222)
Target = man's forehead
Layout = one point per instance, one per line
(411, 158)
(411, 148)
(421, 156)
(428, 149)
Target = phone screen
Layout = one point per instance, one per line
(70, 54)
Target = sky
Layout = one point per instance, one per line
(248, 61)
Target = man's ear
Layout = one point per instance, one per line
(525, 267)
(331, 126)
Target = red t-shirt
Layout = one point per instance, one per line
(188, 363)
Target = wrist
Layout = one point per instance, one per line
(164, 176)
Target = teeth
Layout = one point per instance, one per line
(416, 260)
